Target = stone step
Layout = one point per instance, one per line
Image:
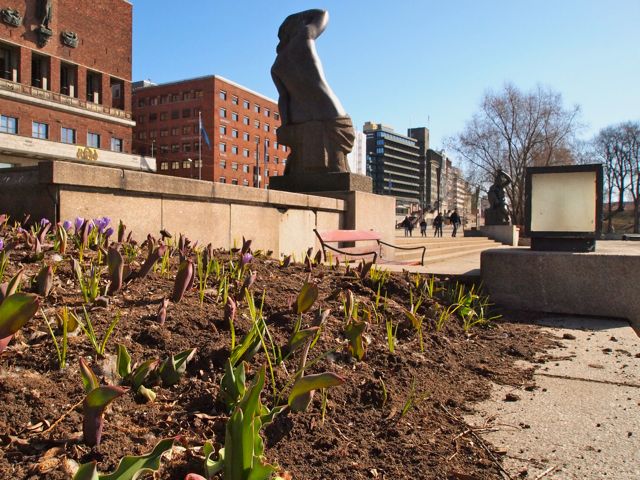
(447, 250)
(440, 240)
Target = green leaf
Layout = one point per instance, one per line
(15, 311)
(101, 397)
(89, 379)
(261, 471)
(92, 409)
(131, 467)
(140, 373)
(14, 283)
(174, 367)
(413, 318)
(353, 332)
(306, 298)
(146, 393)
(305, 385)
(248, 346)
(123, 361)
(87, 471)
(212, 467)
(233, 384)
(298, 338)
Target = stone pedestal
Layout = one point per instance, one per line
(507, 234)
(322, 182)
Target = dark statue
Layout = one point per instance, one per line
(70, 39)
(46, 13)
(498, 212)
(314, 123)
(11, 17)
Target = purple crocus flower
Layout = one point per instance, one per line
(107, 233)
(102, 223)
(1, 244)
(44, 222)
(67, 225)
(245, 259)
(77, 223)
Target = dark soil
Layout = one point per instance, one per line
(364, 433)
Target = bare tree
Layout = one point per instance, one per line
(631, 153)
(604, 146)
(514, 130)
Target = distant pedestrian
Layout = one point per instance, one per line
(406, 224)
(437, 224)
(423, 227)
(455, 221)
(411, 225)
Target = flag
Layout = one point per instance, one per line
(203, 132)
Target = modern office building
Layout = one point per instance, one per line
(395, 163)
(357, 158)
(65, 83)
(237, 143)
(459, 193)
(437, 180)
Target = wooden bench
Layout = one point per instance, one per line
(353, 236)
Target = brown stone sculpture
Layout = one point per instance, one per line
(315, 125)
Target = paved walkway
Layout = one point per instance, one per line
(582, 418)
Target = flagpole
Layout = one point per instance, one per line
(200, 145)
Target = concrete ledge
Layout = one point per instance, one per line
(603, 283)
(506, 234)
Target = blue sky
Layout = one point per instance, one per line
(411, 62)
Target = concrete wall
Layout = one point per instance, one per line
(506, 234)
(602, 283)
(204, 211)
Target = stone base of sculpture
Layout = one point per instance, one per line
(496, 217)
(317, 146)
(322, 182)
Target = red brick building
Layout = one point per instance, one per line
(65, 81)
(240, 124)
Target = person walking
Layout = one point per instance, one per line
(437, 224)
(406, 223)
(411, 225)
(423, 227)
(455, 222)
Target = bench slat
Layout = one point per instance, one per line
(331, 236)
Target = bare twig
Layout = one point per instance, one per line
(54, 424)
(479, 440)
(547, 471)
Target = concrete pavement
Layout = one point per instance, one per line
(581, 420)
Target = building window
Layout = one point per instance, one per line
(223, 180)
(276, 160)
(175, 114)
(186, 147)
(93, 140)
(256, 108)
(164, 116)
(186, 130)
(267, 112)
(186, 113)
(8, 124)
(223, 147)
(175, 131)
(234, 100)
(234, 149)
(245, 104)
(223, 95)
(68, 79)
(140, 119)
(234, 181)
(198, 93)
(40, 130)
(266, 142)
(266, 127)
(223, 164)
(175, 165)
(175, 97)
(164, 166)
(142, 135)
(266, 173)
(234, 116)
(223, 130)
(234, 166)
(186, 95)
(196, 145)
(245, 152)
(234, 133)
(175, 148)
(40, 77)
(274, 173)
(164, 133)
(245, 120)
(164, 148)
(142, 102)
(116, 86)
(284, 148)
(9, 56)
(163, 99)
(266, 158)
(245, 182)
(68, 135)
(256, 123)
(186, 164)
(223, 113)
(153, 134)
(94, 87)
(116, 144)
(197, 163)
(153, 117)
(245, 168)
(245, 136)
(276, 116)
